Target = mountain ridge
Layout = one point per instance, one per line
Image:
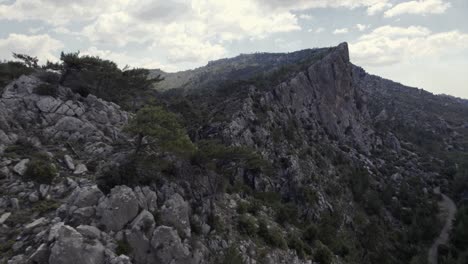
(304, 160)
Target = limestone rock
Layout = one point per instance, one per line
(69, 162)
(70, 247)
(85, 196)
(80, 169)
(118, 208)
(4, 217)
(21, 167)
(176, 212)
(170, 248)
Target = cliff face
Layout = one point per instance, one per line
(342, 174)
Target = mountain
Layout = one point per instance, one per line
(291, 158)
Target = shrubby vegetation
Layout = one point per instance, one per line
(41, 169)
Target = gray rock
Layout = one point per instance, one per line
(170, 248)
(118, 208)
(89, 231)
(21, 167)
(122, 259)
(41, 255)
(54, 231)
(69, 162)
(147, 199)
(176, 212)
(44, 190)
(80, 169)
(19, 259)
(15, 203)
(139, 238)
(36, 223)
(4, 172)
(33, 197)
(4, 217)
(83, 215)
(70, 247)
(85, 196)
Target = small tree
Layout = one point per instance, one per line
(162, 131)
(29, 61)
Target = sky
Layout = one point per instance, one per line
(420, 43)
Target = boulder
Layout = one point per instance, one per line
(36, 223)
(70, 247)
(169, 247)
(41, 255)
(21, 167)
(176, 212)
(85, 196)
(4, 217)
(147, 199)
(69, 162)
(139, 236)
(119, 208)
(89, 231)
(80, 169)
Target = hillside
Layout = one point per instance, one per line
(263, 158)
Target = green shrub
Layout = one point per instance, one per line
(247, 225)
(287, 213)
(242, 207)
(268, 197)
(232, 256)
(310, 233)
(47, 89)
(41, 170)
(294, 242)
(45, 206)
(123, 248)
(22, 148)
(272, 237)
(323, 255)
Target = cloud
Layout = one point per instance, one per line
(340, 31)
(389, 45)
(378, 7)
(305, 17)
(42, 46)
(123, 59)
(418, 7)
(361, 27)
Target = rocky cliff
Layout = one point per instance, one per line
(312, 161)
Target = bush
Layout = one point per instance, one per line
(272, 237)
(323, 255)
(247, 225)
(47, 89)
(45, 206)
(41, 170)
(232, 256)
(123, 248)
(294, 242)
(287, 213)
(310, 233)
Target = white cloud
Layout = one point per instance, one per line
(123, 59)
(42, 46)
(378, 7)
(419, 7)
(362, 27)
(320, 30)
(305, 17)
(340, 31)
(389, 45)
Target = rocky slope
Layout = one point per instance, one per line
(347, 182)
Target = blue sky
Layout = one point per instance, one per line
(422, 43)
